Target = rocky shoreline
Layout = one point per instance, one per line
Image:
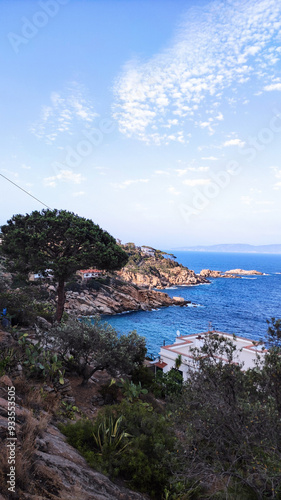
(175, 276)
(118, 297)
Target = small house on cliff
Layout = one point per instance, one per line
(247, 352)
(150, 252)
(48, 274)
(86, 274)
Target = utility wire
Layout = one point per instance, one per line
(25, 191)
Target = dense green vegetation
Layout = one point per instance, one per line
(143, 458)
(148, 264)
(216, 436)
(59, 241)
(88, 346)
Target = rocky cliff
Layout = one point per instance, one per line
(156, 270)
(117, 297)
(176, 276)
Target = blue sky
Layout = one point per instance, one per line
(161, 121)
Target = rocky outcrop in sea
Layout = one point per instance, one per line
(233, 273)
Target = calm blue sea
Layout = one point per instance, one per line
(239, 306)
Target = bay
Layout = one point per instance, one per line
(239, 306)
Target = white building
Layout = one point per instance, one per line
(148, 251)
(38, 276)
(86, 274)
(246, 352)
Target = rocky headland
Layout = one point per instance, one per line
(156, 269)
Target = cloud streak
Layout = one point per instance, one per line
(129, 182)
(63, 176)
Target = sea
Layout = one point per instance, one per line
(240, 306)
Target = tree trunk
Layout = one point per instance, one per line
(88, 373)
(61, 300)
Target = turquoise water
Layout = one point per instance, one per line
(239, 306)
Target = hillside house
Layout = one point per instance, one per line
(38, 276)
(86, 274)
(247, 352)
(148, 251)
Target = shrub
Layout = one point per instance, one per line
(145, 457)
(8, 359)
(168, 384)
(90, 346)
(23, 308)
(143, 375)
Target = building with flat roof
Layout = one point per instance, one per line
(247, 352)
(86, 274)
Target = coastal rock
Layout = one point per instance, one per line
(118, 297)
(175, 276)
(243, 272)
(233, 273)
(207, 273)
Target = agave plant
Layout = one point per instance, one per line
(110, 438)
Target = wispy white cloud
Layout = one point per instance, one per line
(67, 108)
(234, 142)
(196, 182)
(10, 173)
(218, 49)
(162, 172)
(246, 200)
(172, 190)
(129, 182)
(101, 170)
(273, 86)
(185, 171)
(277, 175)
(78, 193)
(211, 158)
(64, 176)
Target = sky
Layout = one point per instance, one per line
(159, 120)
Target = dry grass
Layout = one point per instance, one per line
(32, 476)
(35, 398)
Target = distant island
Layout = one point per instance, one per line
(233, 248)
